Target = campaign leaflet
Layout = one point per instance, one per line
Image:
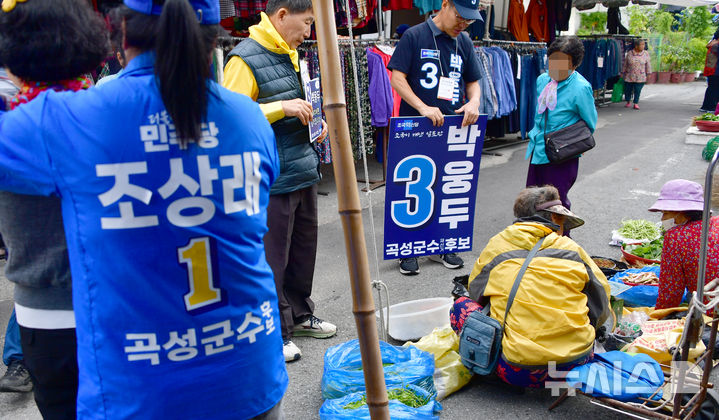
(313, 96)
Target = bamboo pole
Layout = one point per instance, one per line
(350, 210)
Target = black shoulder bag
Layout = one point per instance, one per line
(568, 142)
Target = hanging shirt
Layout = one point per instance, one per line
(396, 99)
(427, 6)
(397, 4)
(425, 53)
(537, 20)
(175, 305)
(516, 21)
(380, 90)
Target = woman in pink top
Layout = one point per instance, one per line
(636, 69)
(681, 203)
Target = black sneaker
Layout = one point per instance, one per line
(450, 260)
(408, 266)
(16, 378)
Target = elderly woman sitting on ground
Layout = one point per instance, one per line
(562, 298)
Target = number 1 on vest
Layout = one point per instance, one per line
(197, 257)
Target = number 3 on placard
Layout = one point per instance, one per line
(197, 257)
(418, 172)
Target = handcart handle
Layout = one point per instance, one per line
(711, 286)
(705, 227)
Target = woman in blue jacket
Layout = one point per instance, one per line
(164, 180)
(564, 97)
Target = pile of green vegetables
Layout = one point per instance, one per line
(403, 395)
(709, 116)
(649, 251)
(641, 230)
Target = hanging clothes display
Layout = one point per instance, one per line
(355, 116)
(227, 9)
(250, 8)
(476, 29)
(516, 22)
(361, 12)
(603, 57)
(509, 75)
(427, 6)
(380, 90)
(397, 4)
(385, 52)
(537, 20)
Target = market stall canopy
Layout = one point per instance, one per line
(588, 4)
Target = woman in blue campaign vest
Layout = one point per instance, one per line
(164, 179)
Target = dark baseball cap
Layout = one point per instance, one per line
(468, 9)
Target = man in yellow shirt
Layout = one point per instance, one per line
(266, 68)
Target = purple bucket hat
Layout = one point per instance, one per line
(680, 195)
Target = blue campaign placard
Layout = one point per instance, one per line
(313, 96)
(431, 189)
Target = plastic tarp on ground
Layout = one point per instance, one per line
(343, 373)
(335, 409)
(619, 376)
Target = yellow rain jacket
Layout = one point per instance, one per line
(561, 299)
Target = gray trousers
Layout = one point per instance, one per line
(291, 248)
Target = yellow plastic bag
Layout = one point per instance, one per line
(658, 337)
(450, 375)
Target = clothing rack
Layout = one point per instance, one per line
(602, 97)
(609, 36)
(497, 42)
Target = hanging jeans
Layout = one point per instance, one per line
(632, 89)
(528, 102)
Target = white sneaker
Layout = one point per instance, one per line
(315, 327)
(291, 351)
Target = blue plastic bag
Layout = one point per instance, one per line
(638, 295)
(618, 375)
(343, 373)
(334, 409)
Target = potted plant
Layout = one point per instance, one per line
(652, 78)
(672, 59)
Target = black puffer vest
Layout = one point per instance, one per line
(277, 81)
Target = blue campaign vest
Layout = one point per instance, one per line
(174, 301)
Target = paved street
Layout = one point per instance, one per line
(637, 151)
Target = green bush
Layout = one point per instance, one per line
(697, 52)
(592, 23)
(661, 22)
(638, 19)
(697, 22)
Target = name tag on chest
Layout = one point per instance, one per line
(446, 88)
(433, 54)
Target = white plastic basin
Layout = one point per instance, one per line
(414, 319)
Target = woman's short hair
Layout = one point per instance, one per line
(529, 198)
(51, 40)
(570, 45)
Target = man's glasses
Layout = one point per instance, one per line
(460, 19)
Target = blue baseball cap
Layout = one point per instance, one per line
(208, 11)
(468, 9)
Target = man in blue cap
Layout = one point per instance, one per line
(436, 72)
